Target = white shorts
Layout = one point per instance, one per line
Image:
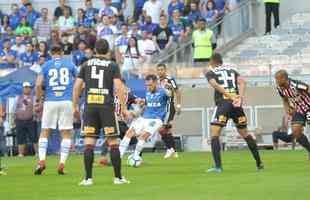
(141, 125)
(57, 113)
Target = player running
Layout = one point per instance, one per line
(101, 76)
(296, 101)
(152, 118)
(229, 93)
(165, 130)
(55, 84)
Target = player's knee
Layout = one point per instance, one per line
(130, 133)
(297, 130)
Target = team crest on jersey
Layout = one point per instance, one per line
(109, 130)
(222, 118)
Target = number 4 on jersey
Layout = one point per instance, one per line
(99, 76)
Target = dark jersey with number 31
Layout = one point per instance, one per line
(98, 75)
(225, 77)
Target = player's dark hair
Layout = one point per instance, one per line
(217, 58)
(282, 72)
(102, 46)
(162, 65)
(152, 77)
(56, 49)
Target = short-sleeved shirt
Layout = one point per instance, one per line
(227, 78)
(98, 75)
(14, 20)
(297, 95)
(156, 104)
(162, 36)
(58, 75)
(28, 59)
(153, 9)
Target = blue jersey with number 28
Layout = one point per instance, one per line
(59, 75)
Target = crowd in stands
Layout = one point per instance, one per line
(27, 34)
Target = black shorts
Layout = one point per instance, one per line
(299, 118)
(225, 111)
(170, 114)
(96, 118)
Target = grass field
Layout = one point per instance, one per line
(286, 177)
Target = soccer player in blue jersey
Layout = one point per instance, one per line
(152, 118)
(55, 83)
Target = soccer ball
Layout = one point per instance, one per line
(134, 161)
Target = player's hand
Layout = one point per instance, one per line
(76, 113)
(237, 101)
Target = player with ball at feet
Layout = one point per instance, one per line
(229, 91)
(151, 121)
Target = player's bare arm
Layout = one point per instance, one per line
(220, 89)
(241, 85)
(39, 87)
(77, 90)
(288, 109)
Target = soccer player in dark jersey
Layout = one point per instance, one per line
(101, 77)
(174, 107)
(229, 89)
(296, 101)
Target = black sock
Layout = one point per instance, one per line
(116, 161)
(88, 161)
(303, 141)
(216, 151)
(166, 141)
(171, 141)
(104, 149)
(253, 148)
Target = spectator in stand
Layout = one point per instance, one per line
(23, 9)
(81, 19)
(78, 56)
(91, 13)
(55, 39)
(106, 31)
(147, 46)
(19, 47)
(204, 42)
(30, 57)
(65, 23)
(135, 30)
(66, 43)
(7, 56)
(132, 60)
(86, 35)
(121, 43)
(108, 9)
(119, 4)
(116, 24)
(231, 5)
(179, 28)
(5, 23)
(209, 12)
(23, 28)
(148, 26)
(43, 51)
(138, 8)
(43, 26)
(32, 15)
(220, 6)
(59, 11)
(175, 5)
(163, 36)
(8, 34)
(14, 17)
(194, 14)
(153, 8)
(23, 115)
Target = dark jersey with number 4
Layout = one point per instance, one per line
(98, 75)
(225, 77)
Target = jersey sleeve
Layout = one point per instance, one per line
(302, 86)
(210, 75)
(280, 92)
(116, 74)
(173, 84)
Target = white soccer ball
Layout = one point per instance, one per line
(134, 161)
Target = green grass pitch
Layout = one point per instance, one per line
(286, 177)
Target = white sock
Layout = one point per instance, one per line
(64, 150)
(124, 145)
(139, 148)
(42, 144)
